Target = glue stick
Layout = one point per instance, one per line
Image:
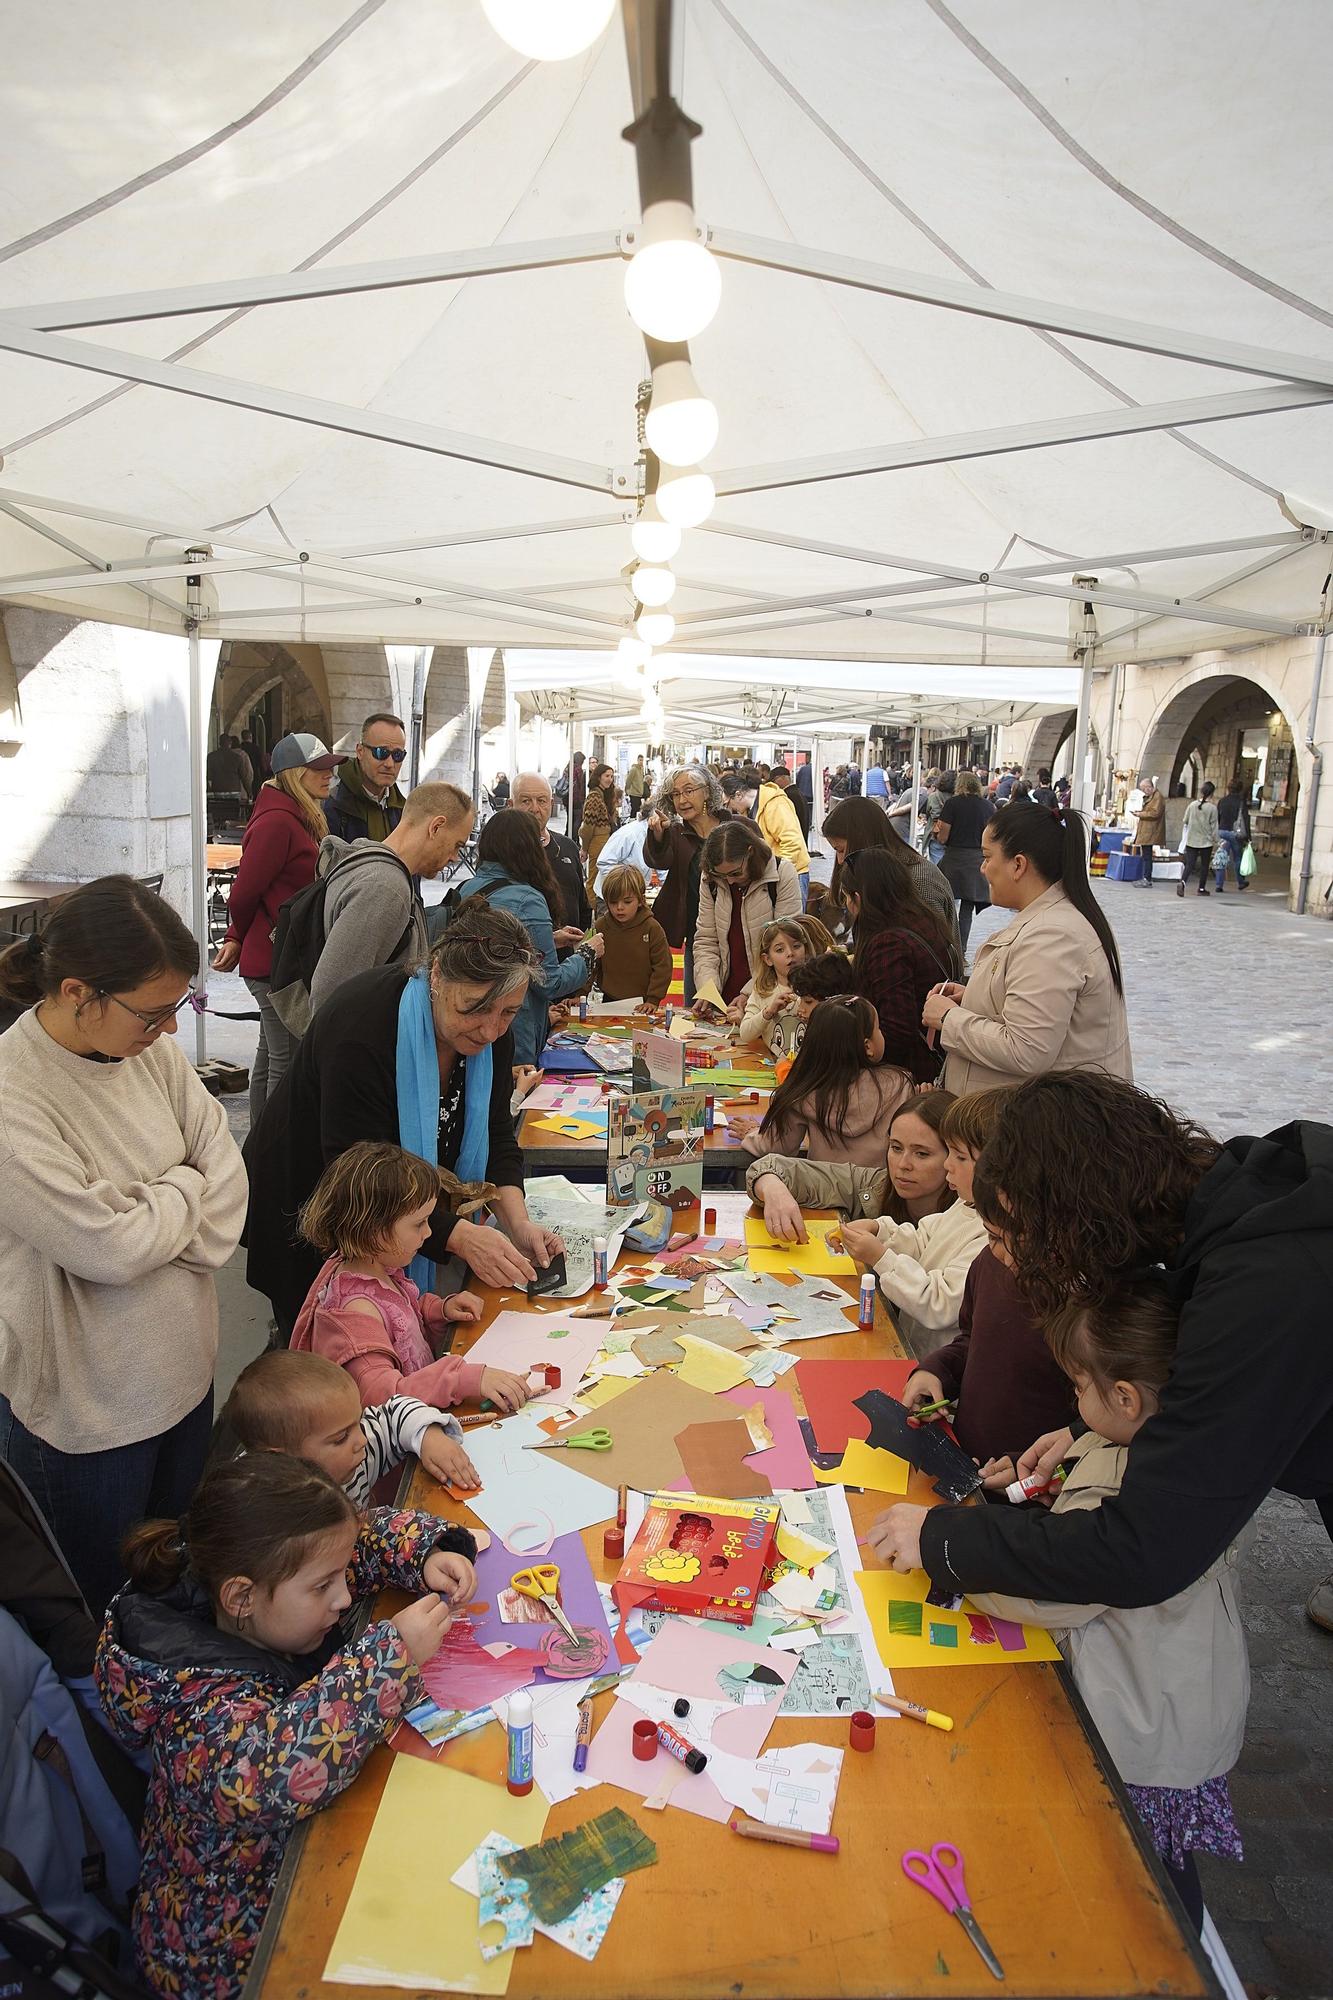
(518, 1722)
(708, 1112)
(583, 1006)
(599, 1251)
(1032, 1488)
(670, 1016)
(684, 1752)
(865, 1314)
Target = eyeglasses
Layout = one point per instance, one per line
(682, 798)
(733, 877)
(160, 1015)
(383, 756)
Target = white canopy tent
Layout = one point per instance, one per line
(1022, 309)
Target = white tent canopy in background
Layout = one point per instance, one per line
(1007, 228)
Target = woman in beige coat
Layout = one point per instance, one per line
(1150, 827)
(743, 886)
(1046, 992)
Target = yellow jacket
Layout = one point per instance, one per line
(775, 816)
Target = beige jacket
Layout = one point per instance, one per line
(863, 1141)
(776, 894)
(923, 1266)
(1041, 997)
(857, 1191)
(1167, 1684)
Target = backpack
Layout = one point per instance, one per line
(299, 937)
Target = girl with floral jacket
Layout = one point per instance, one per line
(225, 1656)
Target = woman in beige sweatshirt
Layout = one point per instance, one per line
(121, 1192)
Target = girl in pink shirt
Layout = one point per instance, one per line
(372, 1212)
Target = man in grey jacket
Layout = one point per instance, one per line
(372, 912)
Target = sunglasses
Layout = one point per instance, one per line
(160, 1015)
(383, 756)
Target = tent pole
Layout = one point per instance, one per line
(198, 797)
(916, 785)
(1082, 790)
(420, 669)
(1316, 755)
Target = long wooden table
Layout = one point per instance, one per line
(1062, 1880)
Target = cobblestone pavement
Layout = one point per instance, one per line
(1231, 1011)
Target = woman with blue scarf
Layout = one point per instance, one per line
(421, 1058)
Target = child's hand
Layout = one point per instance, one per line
(452, 1575)
(741, 1124)
(782, 1212)
(463, 1305)
(861, 1242)
(508, 1392)
(996, 1474)
(778, 1004)
(1040, 1459)
(422, 1625)
(704, 1010)
(922, 1387)
(736, 1009)
(598, 945)
(445, 1459)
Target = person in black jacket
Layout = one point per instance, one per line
(342, 1086)
(532, 795)
(799, 803)
(1086, 1181)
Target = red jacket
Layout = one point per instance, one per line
(278, 853)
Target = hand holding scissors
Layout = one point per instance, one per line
(940, 1873)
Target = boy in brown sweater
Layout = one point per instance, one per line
(630, 945)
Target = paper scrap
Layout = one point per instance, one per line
(861, 1465)
(582, 1932)
(715, 1458)
(560, 1872)
(707, 995)
(942, 1644)
(801, 1548)
(708, 1367)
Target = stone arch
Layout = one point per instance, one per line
(275, 665)
(1166, 741)
(1048, 739)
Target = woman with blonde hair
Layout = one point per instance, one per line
(279, 850)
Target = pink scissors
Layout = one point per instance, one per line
(941, 1873)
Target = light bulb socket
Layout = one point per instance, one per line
(661, 137)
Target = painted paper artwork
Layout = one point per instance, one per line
(911, 1633)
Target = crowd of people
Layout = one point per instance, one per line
(1084, 1278)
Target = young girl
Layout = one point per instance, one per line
(371, 1212)
(923, 1243)
(761, 1009)
(223, 1655)
(630, 944)
(1167, 1684)
(837, 1101)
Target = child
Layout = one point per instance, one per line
(837, 1102)
(224, 1656)
(783, 945)
(998, 1367)
(1167, 1684)
(924, 1241)
(371, 1212)
(305, 1405)
(635, 958)
(821, 978)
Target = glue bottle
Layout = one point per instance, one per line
(865, 1313)
(518, 1722)
(599, 1252)
(708, 1112)
(583, 1007)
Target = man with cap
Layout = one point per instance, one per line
(366, 803)
(531, 794)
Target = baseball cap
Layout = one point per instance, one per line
(291, 753)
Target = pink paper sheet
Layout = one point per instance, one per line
(786, 1464)
(684, 1659)
(462, 1674)
(519, 1341)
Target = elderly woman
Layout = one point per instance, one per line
(743, 886)
(424, 1060)
(680, 818)
(121, 1192)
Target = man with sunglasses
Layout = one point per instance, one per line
(365, 803)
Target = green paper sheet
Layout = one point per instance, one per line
(560, 1872)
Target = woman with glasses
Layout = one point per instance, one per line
(681, 816)
(121, 1192)
(279, 853)
(421, 1059)
(743, 887)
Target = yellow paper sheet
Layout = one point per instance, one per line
(570, 1127)
(707, 995)
(606, 1390)
(882, 1587)
(406, 1924)
(878, 1471)
(803, 1550)
(814, 1258)
(709, 1367)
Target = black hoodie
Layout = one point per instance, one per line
(1249, 1405)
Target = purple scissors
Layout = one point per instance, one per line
(941, 1873)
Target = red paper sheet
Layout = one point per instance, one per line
(830, 1388)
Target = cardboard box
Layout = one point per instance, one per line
(701, 1556)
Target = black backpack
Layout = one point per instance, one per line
(301, 931)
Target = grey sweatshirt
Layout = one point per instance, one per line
(370, 905)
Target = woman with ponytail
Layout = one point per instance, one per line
(1046, 993)
(229, 1658)
(121, 1192)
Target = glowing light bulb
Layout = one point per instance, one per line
(686, 496)
(654, 540)
(681, 424)
(632, 654)
(655, 628)
(672, 282)
(548, 30)
(652, 585)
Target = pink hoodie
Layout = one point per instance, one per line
(385, 1352)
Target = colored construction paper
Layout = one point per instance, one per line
(926, 1446)
(708, 1367)
(814, 1256)
(577, 1594)
(521, 1486)
(521, 1341)
(570, 1125)
(462, 1675)
(663, 1349)
(950, 1639)
(644, 1424)
(829, 1387)
(405, 1923)
(716, 1460)
(603, 1391)
(860, 1465)
(797, 1546)
(707, 995)
(560, 1872)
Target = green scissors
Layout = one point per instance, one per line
(594, 1440)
